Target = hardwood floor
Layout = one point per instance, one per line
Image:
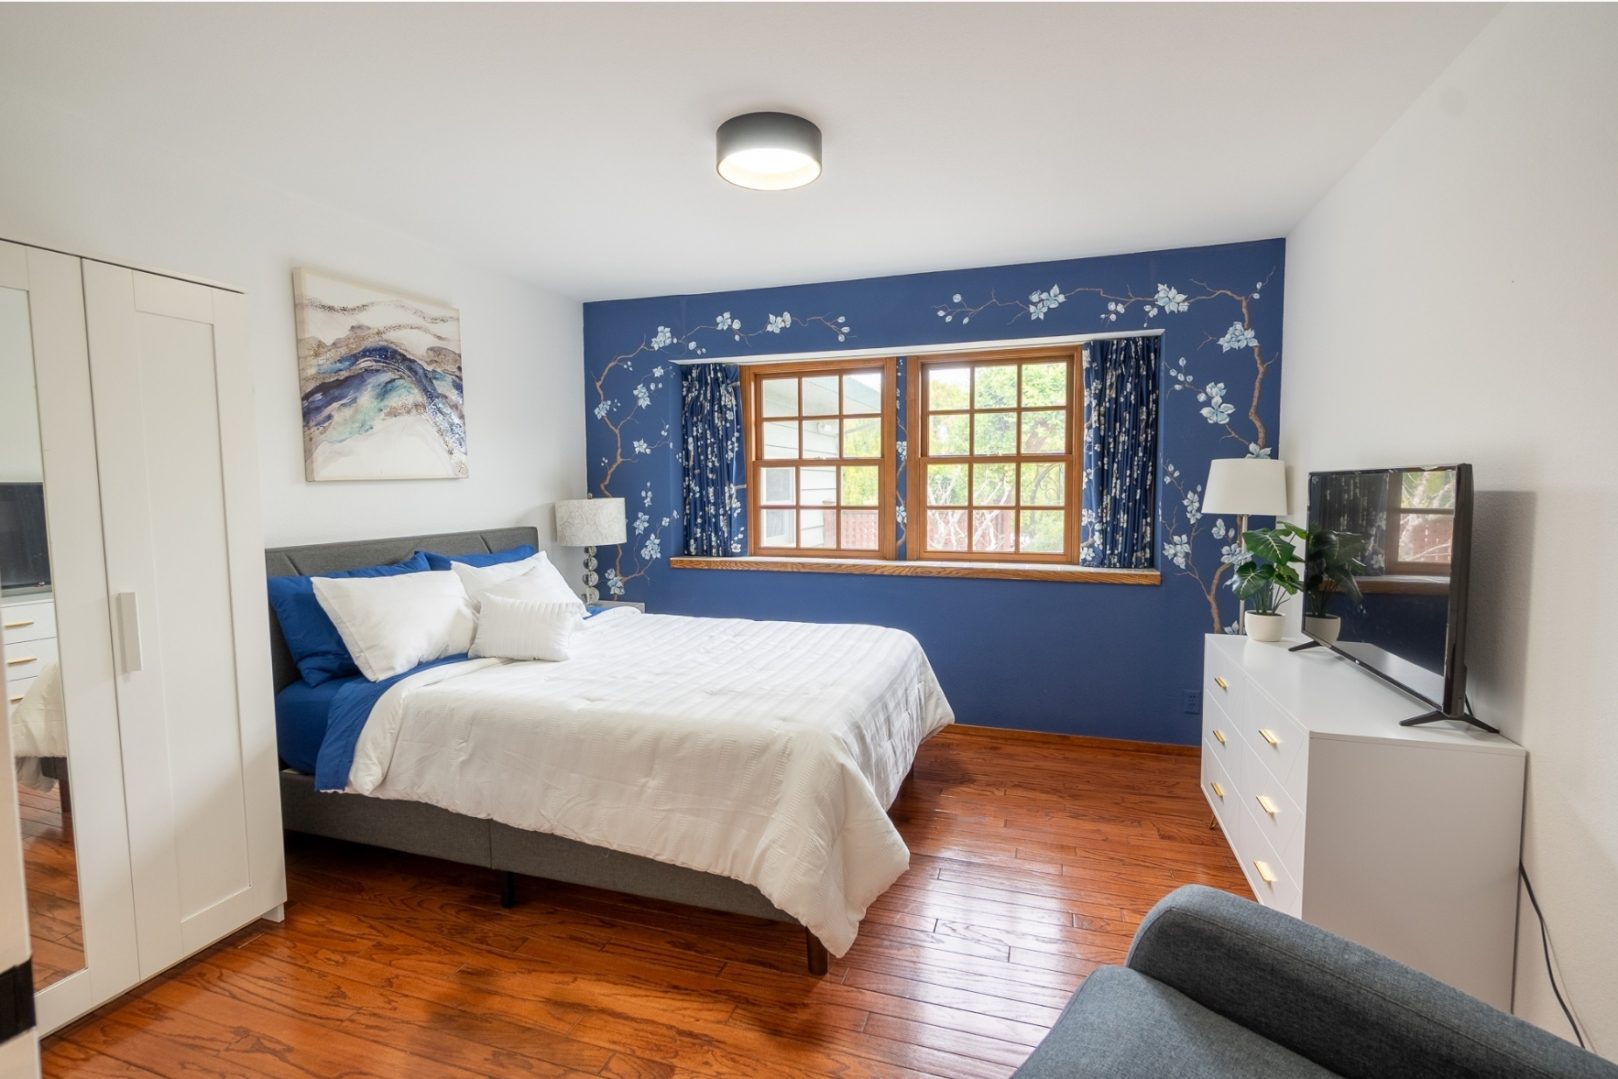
(1033, 859)
(52, 880)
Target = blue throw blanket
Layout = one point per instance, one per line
(349, 711)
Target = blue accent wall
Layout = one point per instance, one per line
(1099, 659)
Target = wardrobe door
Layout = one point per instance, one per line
(185, 568)
(61, 702)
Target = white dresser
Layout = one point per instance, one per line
(1405, 839)
(30, 642)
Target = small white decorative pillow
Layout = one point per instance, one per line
(541, 584)
(511, 628)
(478, 580)
(391, 624)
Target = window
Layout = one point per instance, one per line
(820, 458)
(1421, 522)
(994, 469)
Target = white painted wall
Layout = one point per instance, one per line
(1451, 299)
(68, 183)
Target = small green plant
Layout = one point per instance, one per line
(1332, 565)
(1269, 576)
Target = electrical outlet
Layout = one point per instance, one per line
(1193, 701)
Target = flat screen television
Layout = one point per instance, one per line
(1386, 577)
(25, 561)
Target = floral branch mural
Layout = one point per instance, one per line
(626, 419)
(1181, 522)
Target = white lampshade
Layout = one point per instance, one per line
(1248, 486)
(590, 522)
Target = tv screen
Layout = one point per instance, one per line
(24, 555)
(1386, 575)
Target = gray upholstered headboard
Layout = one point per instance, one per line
(318, 558)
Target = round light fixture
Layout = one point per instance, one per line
(769, 151)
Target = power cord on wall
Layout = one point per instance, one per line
(1550, 969)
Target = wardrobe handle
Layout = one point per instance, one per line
(127, 613)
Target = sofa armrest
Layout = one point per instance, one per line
(1341, 1005)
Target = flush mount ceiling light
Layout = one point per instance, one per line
(769, 151)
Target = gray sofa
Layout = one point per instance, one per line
(1220, 986)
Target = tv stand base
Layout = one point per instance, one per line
(1435, 715)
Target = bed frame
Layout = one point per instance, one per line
(418, 828)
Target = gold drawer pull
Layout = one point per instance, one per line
(18, 698)
(1265, 804)
(20, 660)
(1217, 789)
(24, 624)
(1221, 683)
(1219, 735)
(1265, 873)
(1269, 736)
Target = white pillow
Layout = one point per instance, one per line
(542, 584)
(544, 579)
(511, 628)
(479, 579)
(391, 624)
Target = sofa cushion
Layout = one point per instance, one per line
(1122, 1024)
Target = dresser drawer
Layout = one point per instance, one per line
(1222, 681)
(16, 690)
(26, 659)
(1218, 785)
(1266, 872)
(1277, 742)
(1219, 735)
(28, 621)
(1277, 818)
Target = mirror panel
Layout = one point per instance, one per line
(35, 706)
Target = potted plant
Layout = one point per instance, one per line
(1267, 578)
(1332, 565)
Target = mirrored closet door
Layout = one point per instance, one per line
(60, 699)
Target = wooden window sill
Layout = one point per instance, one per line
(1012, 571)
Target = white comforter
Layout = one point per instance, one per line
(763, 751)
(39, 728)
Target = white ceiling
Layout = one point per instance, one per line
(572, 145)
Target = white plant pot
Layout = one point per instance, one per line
(1323, 627)
(1264, 627)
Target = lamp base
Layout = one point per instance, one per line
(591, 594)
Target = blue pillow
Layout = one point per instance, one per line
(516, 554)
(316, 646)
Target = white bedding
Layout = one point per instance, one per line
(763, 751)
(39, 727)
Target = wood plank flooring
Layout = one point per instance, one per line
(51, 876)
(1033, 859)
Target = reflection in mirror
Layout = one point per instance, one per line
(34, 698)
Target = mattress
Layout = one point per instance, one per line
(301, 711)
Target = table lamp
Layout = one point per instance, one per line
(590, 523)
(1246, 487)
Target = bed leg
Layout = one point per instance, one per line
(818, 959)
(508, 890)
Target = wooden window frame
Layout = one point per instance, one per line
(920, 455)
(1397, 512)
(753, 376)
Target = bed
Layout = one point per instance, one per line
(699, 761)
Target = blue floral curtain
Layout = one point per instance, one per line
(1120, 453)
(715, 469)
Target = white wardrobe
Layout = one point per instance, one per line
(152, 787)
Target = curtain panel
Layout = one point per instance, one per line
(1120, 453)
(715, 468)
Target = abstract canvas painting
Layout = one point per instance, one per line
(380, 373)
